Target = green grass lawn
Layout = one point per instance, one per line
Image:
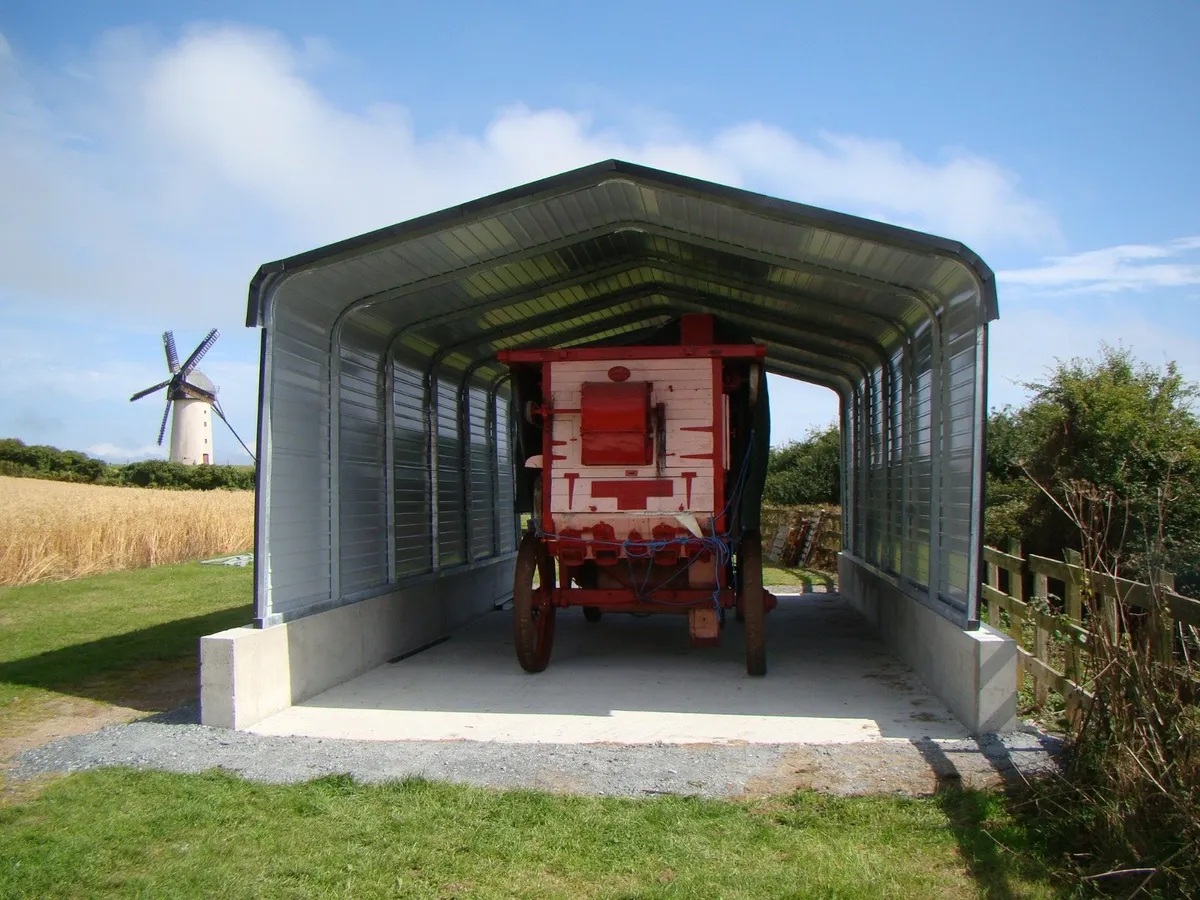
(778, 576)
(118, 639)
(215, 835)
(113, 638)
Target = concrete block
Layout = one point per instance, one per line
(247, 674)
(973, 672)
(240, 680)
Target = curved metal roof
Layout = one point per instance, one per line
(614, 250)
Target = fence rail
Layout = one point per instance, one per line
(1052, 640)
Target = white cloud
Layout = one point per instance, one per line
(236, 103)
(1128, 267)
(965, 196)
(112, 453)
(151, 180)
(1026, 340)
(146, 183)
(67, 367)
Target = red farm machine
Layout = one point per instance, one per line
(642, 468)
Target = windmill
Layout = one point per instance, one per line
(194, 399)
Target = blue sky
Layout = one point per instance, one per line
(152, 155)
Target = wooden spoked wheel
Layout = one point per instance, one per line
(750, 602)
(533, 607)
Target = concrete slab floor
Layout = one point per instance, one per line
(629, 680)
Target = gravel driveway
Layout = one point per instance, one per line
(176, 743)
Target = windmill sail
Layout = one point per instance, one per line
(150, 390)
(199, 352)
(191, 436)
(162, 429)
(172, 356)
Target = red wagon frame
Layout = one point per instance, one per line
(556, 553)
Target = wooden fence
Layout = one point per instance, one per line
(1049, 627)
(809, 537)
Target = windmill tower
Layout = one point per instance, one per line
(194, 399)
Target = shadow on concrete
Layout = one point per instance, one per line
(824, 663)
(151, 669)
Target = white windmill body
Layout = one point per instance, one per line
(191, 424)
(193, 398)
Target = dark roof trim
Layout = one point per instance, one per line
(788, 210)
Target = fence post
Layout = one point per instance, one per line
(1161, 623)
(1016, 590)
(1041, 589)
(1016, 618)
(993, 580)
(1112, 617)
(1074, 604)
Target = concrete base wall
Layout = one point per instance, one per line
(973, 672)
(247, 674)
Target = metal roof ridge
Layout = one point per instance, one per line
(596, 173)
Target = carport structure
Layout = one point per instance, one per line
(385, 510)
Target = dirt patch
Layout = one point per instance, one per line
(886, 767)
(128, 696)
(61, 717)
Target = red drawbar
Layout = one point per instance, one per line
(615, 425)
(635, 493)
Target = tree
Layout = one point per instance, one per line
(806, 472)
(1112, 422)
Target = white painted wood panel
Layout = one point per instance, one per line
(685, 388)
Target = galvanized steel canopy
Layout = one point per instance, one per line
(615, 247)
(893, 320)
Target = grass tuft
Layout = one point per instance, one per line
(167, 835)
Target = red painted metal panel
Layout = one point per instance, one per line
(718, 421)
(547, 459)
(615, 424)
(696, 328)
(678, 600)
(634, 493)
(725, 351)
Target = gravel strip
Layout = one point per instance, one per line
(176, 743)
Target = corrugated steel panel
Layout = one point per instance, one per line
(387, 456)
(362, 469)
(413, 546)
(505, 466)
(481, 504)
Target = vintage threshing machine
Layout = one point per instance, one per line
(642, 468)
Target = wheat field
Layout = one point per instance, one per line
(52, 530)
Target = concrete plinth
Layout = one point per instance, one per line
(628, 680)
(973, 672)
(247, 674)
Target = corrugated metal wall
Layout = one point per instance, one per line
(348, 532)
(376, 358)
(913, 428)
(296, 570)
(911, 443)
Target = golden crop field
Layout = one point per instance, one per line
(52, 530)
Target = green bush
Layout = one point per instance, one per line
(20, 460)
(160, 473)
(806, 472)
(40, 461)
(1112, 422)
